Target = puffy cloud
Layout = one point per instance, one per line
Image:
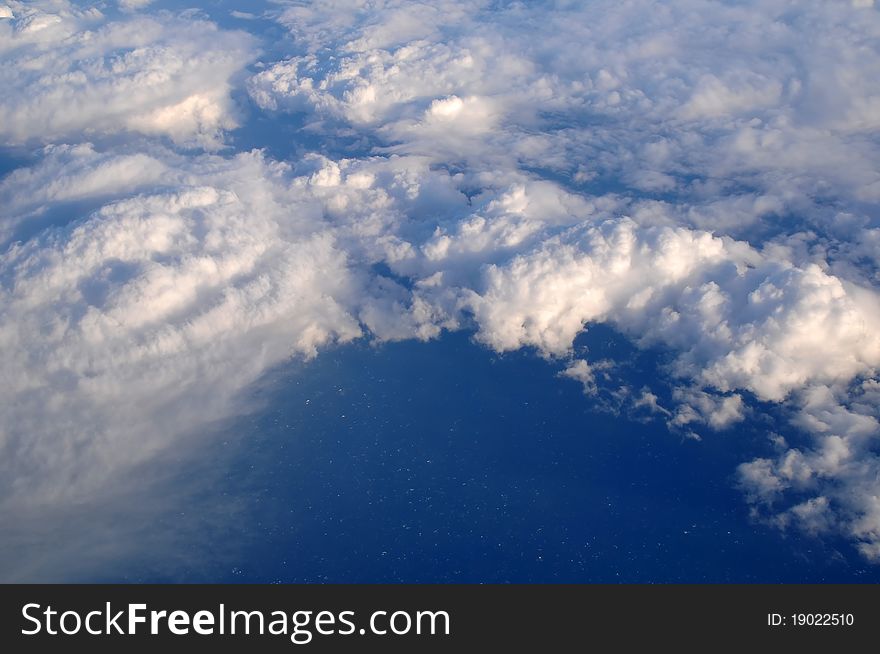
(583, 372)
(747, 120)
(143, 319)
(741, 319)
(737, 318)
(127, 329)
(704, 99)
(719, 412)
(836, 471)
(70, 73)
(68, 176)
(703, 176)
(735, 137)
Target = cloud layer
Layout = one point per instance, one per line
(70, 74)
(701, 175)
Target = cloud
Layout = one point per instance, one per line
(127, 328)
(708, 100)
(719, 412)
(708, 181)
(133, 5)
(67, 176)
(69, 73)
(702, 176)
(837, 470)
(739, 318)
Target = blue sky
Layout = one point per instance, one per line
(200, 198)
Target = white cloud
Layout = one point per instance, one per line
(839, 468)
(141, 322)
(68, 174)
(719, 412)
(133, 326)
(133, 5)
(580, 370)
(701, 175)
(739, 319)
(758, 105)
(708, 120)
(69, 73)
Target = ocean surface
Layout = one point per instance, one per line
(445, 462)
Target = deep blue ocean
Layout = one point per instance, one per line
(445, 462)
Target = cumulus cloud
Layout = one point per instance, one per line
(739, 318)
(127, 328)
(756, 105)
(833, 478)
(709, 180)
(69, 73)
(702, 176)
(66, 177)
(132, 327)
